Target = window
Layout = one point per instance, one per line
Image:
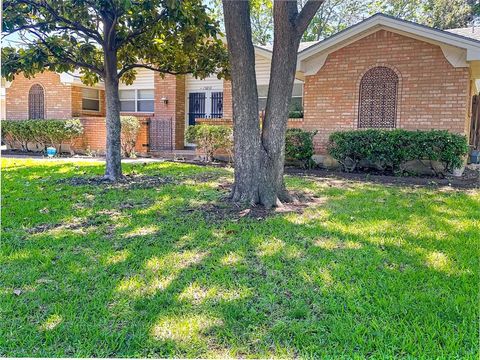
(36, 102)
(296, 102)
(127, 100)
(90, 99)
(377, 106)
(137, 100)
(145, 100)
(262, 97)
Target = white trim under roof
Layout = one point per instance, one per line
(74, 79)
(457, 49)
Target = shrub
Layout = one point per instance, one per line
(295, 111)
(210, 138)
(391, 149)
(130, 128)
(299, 146)
(17, 131)
(49, 132)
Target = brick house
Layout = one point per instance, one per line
(382, 72)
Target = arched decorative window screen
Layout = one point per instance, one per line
(36, 102)
(377, 107)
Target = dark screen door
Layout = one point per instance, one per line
(196, 107)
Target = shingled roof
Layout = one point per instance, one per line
(470, 32)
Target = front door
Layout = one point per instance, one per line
(204, 104)
(196, 106)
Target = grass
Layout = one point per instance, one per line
(149, 271)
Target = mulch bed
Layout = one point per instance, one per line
(226, 210)
(469, 180)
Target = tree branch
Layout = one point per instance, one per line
(65, 58)
(61, 19)
(150, 67)
(137, 32)
(306, 14)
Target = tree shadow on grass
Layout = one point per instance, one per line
(371, 271)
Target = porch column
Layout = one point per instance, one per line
(170, 104)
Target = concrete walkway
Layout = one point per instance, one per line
(159, 157)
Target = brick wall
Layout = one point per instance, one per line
(179, 130)
(432, 93)
(292, 123)
(227, 100)
(172, 88)
(57, 97)
(95, 135)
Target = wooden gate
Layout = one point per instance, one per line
(160, 134)
(475, 123)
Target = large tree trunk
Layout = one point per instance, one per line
(259, 162)
(113, 168)
(282, 75)
(246, 126)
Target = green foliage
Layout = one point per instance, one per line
(261, 18)
(295, 111)
(130, 128)
(389, 150)
(299, 146)
(45, 132)
(210, 138)
(169, 36)
(336, 15)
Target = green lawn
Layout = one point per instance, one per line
(148, 269)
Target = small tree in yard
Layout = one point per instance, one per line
(108, 40)
(259, 154)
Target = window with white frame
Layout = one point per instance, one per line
(296, 101)
(90, 99)
(136, 100)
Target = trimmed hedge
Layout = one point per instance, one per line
(210, 138)
(299, 146)
(50, 132)
(391, 149)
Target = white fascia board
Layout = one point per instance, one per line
(263, 52)
(66, 78)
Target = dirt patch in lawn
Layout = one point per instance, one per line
(135, 181)
(469, 180)
(227, 210)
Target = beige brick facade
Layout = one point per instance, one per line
(432, 93)
(61, 101)
(57, 97)
(95, 135)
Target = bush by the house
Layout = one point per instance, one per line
(299, 146)
(130, 128)
(295, 111)
(210, 138)
(49, 132)
(391, 149)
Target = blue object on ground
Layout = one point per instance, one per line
(51, 151)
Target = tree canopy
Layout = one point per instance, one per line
(109, 40)
(169, 36)
(336, 15)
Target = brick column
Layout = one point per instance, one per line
(171, 88)
(227, 100)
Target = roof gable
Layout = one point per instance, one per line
(457, 49)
